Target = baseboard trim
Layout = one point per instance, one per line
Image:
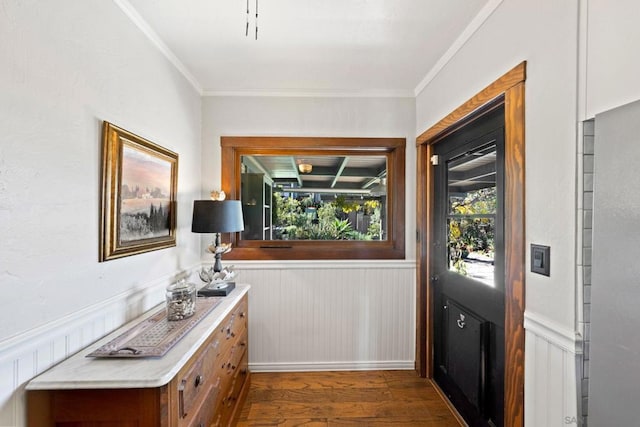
(392, 365)
(446, 400)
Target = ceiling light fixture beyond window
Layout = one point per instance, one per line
(246, 31)
(305, 167)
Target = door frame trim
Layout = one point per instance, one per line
(511, 86)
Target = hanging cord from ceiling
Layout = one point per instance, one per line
(246, 29)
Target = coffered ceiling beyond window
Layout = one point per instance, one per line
(357, 47)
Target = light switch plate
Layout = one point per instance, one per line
(541, 259)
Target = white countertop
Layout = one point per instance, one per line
(81, 372)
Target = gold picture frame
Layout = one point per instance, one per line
(138, 195)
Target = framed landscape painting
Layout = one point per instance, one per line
(138, 200)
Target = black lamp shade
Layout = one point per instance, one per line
(214, 216)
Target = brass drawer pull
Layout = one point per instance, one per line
(181, 407)
(230, 333)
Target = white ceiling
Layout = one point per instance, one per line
(366, 47)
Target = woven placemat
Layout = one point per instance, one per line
(154, 336)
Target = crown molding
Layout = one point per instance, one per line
(468, 32)
(462, 39)
(146, 29)
(310, 93)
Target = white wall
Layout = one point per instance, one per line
(66, 67)
(545, 34)
(307, 289)
(580, 62)
(612, 63)
(303, 116)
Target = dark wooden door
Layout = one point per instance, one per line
(468, 268)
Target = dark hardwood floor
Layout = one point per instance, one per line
(362, 398)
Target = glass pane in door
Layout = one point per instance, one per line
(471, 214)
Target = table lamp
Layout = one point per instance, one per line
(217, 216)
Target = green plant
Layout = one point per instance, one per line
(374, 231)
(468, 232)
(292, 219)
(341, 229)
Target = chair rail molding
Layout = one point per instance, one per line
(28, 354)
(307, 316)
(354, 264)
(557, 335)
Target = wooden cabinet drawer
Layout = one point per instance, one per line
(205, 389)
(199, 377)
(238, 381)
(234, 323)
(229, 362)
(229, 365)
(203, 413)
(229, 402)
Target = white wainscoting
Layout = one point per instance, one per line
(330, 315)
(316, 315)
(24, 356)
(552, 357)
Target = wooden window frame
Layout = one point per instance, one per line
(234, 147)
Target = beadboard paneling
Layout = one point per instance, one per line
(331, 316)
(550, 373)
(303, 316)
(24, 356)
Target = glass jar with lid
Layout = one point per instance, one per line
(181, 300)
